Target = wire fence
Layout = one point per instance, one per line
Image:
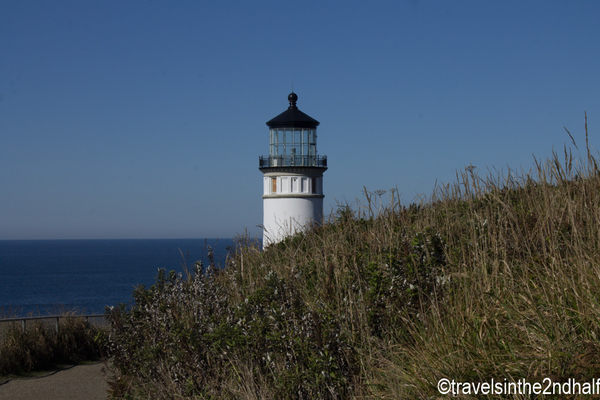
(94, 319)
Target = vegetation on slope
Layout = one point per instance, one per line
(495, 277)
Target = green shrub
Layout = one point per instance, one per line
(40, 346)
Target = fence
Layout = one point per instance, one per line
(95, 319)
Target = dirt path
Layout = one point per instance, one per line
(85, 382)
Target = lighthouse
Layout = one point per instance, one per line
(292, 175)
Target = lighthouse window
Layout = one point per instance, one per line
(273, 185)
(292, 147)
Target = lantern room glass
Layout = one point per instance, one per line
(293, 146)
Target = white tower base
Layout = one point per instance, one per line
(292, 201)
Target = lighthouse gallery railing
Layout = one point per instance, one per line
(292, 161)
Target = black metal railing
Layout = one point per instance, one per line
(292, 161)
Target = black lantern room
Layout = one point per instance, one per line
(293, 140)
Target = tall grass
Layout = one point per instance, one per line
(492, 277)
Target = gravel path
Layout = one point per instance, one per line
(85, 382)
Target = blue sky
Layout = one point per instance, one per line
(145, 119)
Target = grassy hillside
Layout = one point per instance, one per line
(493, 277)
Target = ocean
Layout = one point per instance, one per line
(42, 277)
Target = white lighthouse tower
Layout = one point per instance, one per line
(293, 175)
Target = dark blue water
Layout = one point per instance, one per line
(52, 276)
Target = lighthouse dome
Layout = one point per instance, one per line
(293, 117)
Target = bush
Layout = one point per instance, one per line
(40, 346)
(184, 335)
